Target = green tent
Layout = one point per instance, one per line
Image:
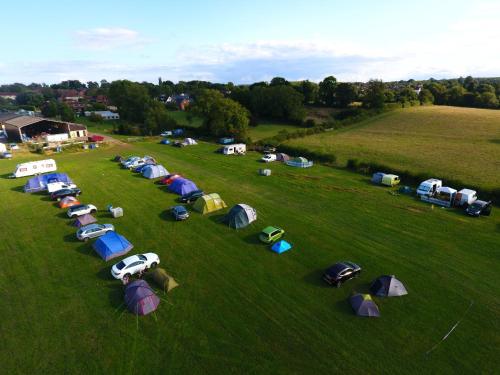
(209, 203)
(164, 280)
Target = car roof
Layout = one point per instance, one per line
(179, 207)
(76, 207)
(133, 258)
(269, 229)
(91, 226)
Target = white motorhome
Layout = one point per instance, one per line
(35, 167)
(429, 187)
(239, 148)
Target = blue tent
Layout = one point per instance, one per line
(154, 171)
(281, 246)
(39, 183)
(182, 186)
(165, 141)
(112, 245)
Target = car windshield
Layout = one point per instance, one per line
(120, 265)
(142, 257)
(424, 187)
(336, 268)
(77, 207)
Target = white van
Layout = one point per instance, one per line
(239, 148)
(35, 167)
(55, 186)
(429, 187)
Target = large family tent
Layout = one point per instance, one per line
(282, 157)
(299, 162)
(112, 245)
(67, 202)
(154, 171)
(363, 305)
(209, 203)
(164, 280)
(182, 186)
(39, 183)
(387, 286)
(240, 216)
(84, 220)
(140, 298)
(281, 246)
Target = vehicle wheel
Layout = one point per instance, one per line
(153, 265)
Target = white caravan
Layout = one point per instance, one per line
(465, 197)
(35, 167)
(239, 148)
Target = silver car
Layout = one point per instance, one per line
(93, 231)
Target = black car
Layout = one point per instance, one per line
(479, 208)
(60, 194)
(341, 272)
(191, 197)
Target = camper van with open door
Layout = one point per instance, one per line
(33, 168)
(235, 149)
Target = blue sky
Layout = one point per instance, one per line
(246, 41)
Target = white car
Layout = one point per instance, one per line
(129, 160)
(55, 186)
(136, 163)
(93, 231)
(134, 264)
(166, 133)
(267, 158)
(81, 209)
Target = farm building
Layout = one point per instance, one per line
(26, 128)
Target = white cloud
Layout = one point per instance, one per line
(108, 38)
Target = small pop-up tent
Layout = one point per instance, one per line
(182, 186)
(154, 171)
(281, 246)
(39, 183)
(140, 298)
(112, 245)
(387, 286)
(84, 220)
(209, 203)
(164, 280)
(240, 216)
(68, 202)
(363, 305)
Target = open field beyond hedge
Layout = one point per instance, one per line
(241, 308)
(449, 142)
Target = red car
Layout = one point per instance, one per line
(169, 179)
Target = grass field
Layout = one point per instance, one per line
(241, 308)
(449, 142)
(269, 129)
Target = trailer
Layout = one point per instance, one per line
(34, 168)
(235, 149)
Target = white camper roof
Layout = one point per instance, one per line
(467, 192)
(446, 189)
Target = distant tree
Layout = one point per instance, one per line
(221, 116)
(425, 96)
(95, 117)
(488, 100)
(345, 94)
(485, 87)
(407, 94)
(277, 102)
(470, 84)
(157, 119)
(131, 98)
(50, 109)
(30, 98)
(375, 94)
(327, 89)
(66, 113)
(439, 92)
(456, 95)
(279, 81)
(309, 90)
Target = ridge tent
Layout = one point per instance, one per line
(209, 203)
(154, 171)
(299, 162)
(39, 183)
(140, 298)
(281, 246)
(84, 220)
(164, 280)
(112, 245)
(363, 305)
(240, 216)
(68, 202)
(387, 286)
(182, 186)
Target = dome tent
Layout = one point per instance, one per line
(363, 305)
(140, 298)
(281, 246)
(387, 286)
(112, 245)
(84, 220)
(68, 202)
(182, 186)
(209, 203)
(240, 216)
(154, 171)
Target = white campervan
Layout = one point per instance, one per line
(239, 148)
(429, 187)
(35, 167)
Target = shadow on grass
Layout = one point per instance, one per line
(218, 219)
(316, 278)
(72, 238)
(344, 307)
(167, 216)
(115, 296)
(6, 176)
(46, 198)
(495, 140)
(105, 274)
(19, 189)
(253, 239)
(64, 215)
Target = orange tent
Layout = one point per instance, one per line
(68, 202)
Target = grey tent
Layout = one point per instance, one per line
(363, 305)
(84, 220)
(387, 286)
(240, 216)
(154, 171)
